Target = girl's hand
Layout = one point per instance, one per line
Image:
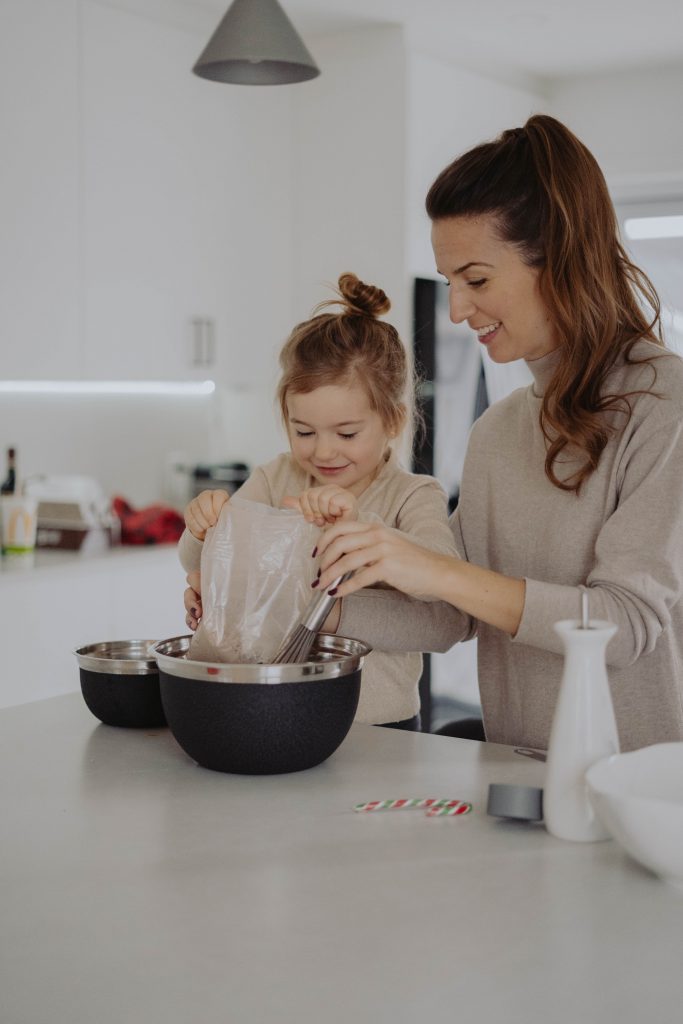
(377, 553)
(203, 512)
(325, 505)
(193, 600)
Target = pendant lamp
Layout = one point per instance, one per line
(256, 44)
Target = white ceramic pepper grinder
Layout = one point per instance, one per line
(583, 730)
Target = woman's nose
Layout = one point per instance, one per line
(461, 306)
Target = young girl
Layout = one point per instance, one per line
(344, 396)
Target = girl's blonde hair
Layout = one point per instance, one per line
(350, 347)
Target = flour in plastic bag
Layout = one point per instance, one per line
(256, 574)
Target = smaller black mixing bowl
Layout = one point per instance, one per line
(120, 683)
(261, 719)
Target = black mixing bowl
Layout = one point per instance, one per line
(261, 719)
(120, 683)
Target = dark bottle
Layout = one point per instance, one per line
(10, 481)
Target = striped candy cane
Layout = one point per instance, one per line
(456, 807)
(384, 805)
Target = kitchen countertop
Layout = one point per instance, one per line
(42, 560)
(139, 887)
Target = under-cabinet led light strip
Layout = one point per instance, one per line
(107, 387)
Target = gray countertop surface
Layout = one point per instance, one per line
(138, 887)
(36, 563)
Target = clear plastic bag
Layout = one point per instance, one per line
(256, 574)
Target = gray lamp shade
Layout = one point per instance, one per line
(256, 44)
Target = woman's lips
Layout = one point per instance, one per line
(485, 339)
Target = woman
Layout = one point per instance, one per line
(575, 482)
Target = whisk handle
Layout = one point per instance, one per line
(321, 606)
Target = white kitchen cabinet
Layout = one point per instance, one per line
(166, 210)
(39, 189)
(68, 600)
(136, 200)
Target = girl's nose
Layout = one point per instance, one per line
(325, 449)
(461, 306)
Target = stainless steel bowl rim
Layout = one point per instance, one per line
(334, 656)
(119, 657)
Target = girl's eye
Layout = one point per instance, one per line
(304, 433)
(348, 437)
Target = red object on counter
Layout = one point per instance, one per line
(156, 524)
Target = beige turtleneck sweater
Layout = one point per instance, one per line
(622, 537)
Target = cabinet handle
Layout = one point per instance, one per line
(197, 341)
(210, 349)
(203, 341)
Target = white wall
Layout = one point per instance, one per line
(451, 109)
(631, 121)
(349, 170)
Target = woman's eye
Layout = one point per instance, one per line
(348, 437)
(304, 433)
(478, 283)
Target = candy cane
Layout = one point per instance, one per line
(384, 805)
(458, 807)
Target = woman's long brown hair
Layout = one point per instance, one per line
(550, 199)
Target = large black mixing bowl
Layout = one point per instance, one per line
(261, 719)
(120, 683)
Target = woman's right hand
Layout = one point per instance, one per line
(193, 600)
(203, 512)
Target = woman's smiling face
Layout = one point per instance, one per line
(492, 288)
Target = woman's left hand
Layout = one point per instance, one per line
(378, 553)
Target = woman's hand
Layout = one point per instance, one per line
(203, 512)
(193, 600)
(325, 505)
(377, 553)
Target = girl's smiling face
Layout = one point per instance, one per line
(336, 436)
(492, 288)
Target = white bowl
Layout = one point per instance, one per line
(639, 799)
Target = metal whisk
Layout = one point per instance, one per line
(296, 646)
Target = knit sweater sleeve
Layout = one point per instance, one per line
(391, 621)
(637, 576)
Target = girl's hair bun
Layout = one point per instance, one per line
(362, 298)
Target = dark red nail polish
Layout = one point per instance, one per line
(314, 552)
(332, 592)
(315, 583)
(320, 572)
